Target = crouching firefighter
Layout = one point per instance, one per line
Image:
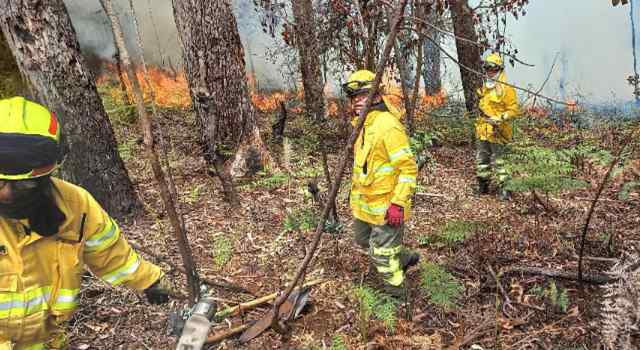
(498, 106)
(384, 178)
(49, 230)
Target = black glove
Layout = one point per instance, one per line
(159, 291)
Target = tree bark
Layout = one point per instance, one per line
(309, 58)
(468, 52)
(44, 43)
(431, 54)
(11, 83)
(215, 67)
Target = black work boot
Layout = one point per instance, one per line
(503, 194)
(398, 292)
(483, 186)
(408, 259)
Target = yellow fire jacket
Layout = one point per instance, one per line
(384, 169)
(501, 104)
(40, 276)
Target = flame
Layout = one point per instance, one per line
(333, 109)
(538, 111)
(429, 102)
(572, 106)
(172, 90)
(169, 90)
(268, 102)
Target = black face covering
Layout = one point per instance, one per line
(38, 206)
(22, 206)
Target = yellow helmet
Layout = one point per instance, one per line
(359, 82)
(29, 139)
(493, 62)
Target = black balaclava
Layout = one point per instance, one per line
(38, 206)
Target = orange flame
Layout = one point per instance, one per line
(267, 103)
(168, 91)
(173, 90)
(572, 106)
(538, 111)
(428, 102)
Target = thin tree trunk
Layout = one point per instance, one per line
(431, 54)
(215, 67)
(309, 54)
(415, 93)
(44, 43)
(468, 52)
(145, 123)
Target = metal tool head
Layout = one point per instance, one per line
(290, 309)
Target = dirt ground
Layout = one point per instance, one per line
(250, 247)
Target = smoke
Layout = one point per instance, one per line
(592, 36)
(160, 39)
(633, 13)
(593, 39)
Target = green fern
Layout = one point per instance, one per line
(439, 286)
(300, 220)
(126, 150)
(222, 251)
(376, 304)
(452, 233)
(627, 188)
(556, 297)
(338, 343)
(269, 182)
(420, 143)
(194, 193)
(535, 168)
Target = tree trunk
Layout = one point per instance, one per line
(431, 54)
(11, 83)
(403, 56)
(215, 67)
(468, 52)
(309, 62)
(44, 43)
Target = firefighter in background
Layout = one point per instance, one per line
(384, 179)
(498, 106)
(49, 230)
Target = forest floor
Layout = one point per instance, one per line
(459, 235)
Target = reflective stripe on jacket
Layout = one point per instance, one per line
(384, 168)
(499, 103)
(40, 276)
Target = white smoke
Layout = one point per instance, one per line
(593, 37)
(160, 40)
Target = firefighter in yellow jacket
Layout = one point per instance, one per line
(49, 230)
(384, 178)
(498, 106)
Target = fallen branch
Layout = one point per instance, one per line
(548, 207)
(238, 309)
(224, 285)
(477, 332)
(228, 334)
(507, 301)
(591, 278)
